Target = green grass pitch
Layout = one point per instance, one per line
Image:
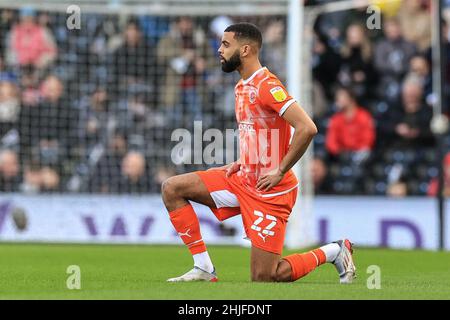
(38, 271)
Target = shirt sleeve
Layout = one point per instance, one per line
(272, 94)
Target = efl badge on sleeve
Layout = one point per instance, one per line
(278, 93)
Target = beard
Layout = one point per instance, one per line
(231, 64)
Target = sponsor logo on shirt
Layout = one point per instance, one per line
(246, 127)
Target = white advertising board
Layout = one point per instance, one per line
(368, 221)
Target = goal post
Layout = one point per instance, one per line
(300, 230)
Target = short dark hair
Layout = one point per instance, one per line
(245, 30)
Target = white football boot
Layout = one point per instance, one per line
(344, 262)
(196, 274)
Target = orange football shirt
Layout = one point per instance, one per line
(264, 136)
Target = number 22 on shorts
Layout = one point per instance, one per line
(267, 231)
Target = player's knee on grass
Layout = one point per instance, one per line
(262, 276)
(269, 277)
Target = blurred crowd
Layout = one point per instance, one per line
(373, 101)
(92, 110)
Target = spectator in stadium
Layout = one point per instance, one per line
(107, 172)
(135, 177)
(356, 68)
(50, 180)
(361, 15)
(9, 171)
(420, 67)
(392, 56)
(94, 117)
(51, 123)
(351, 129)
(121, 170)
(134, 64)
(349, 140)
(139, 122)
(186, 57)
(38, 179)
(325, 66)
(415, 22)
(433, 186)
(9, 108)
(30, 43)
(107, 39)
(408, 126)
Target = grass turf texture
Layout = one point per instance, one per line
(38, 271)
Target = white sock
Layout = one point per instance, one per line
(203, 261)
(331, 251)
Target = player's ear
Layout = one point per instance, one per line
(245, 50)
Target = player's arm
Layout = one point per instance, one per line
(305, 130)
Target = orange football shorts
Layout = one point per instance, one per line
(264, 218)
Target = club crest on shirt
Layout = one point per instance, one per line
(278, 94)
(252, 96)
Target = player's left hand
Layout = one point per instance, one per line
(270, 180)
